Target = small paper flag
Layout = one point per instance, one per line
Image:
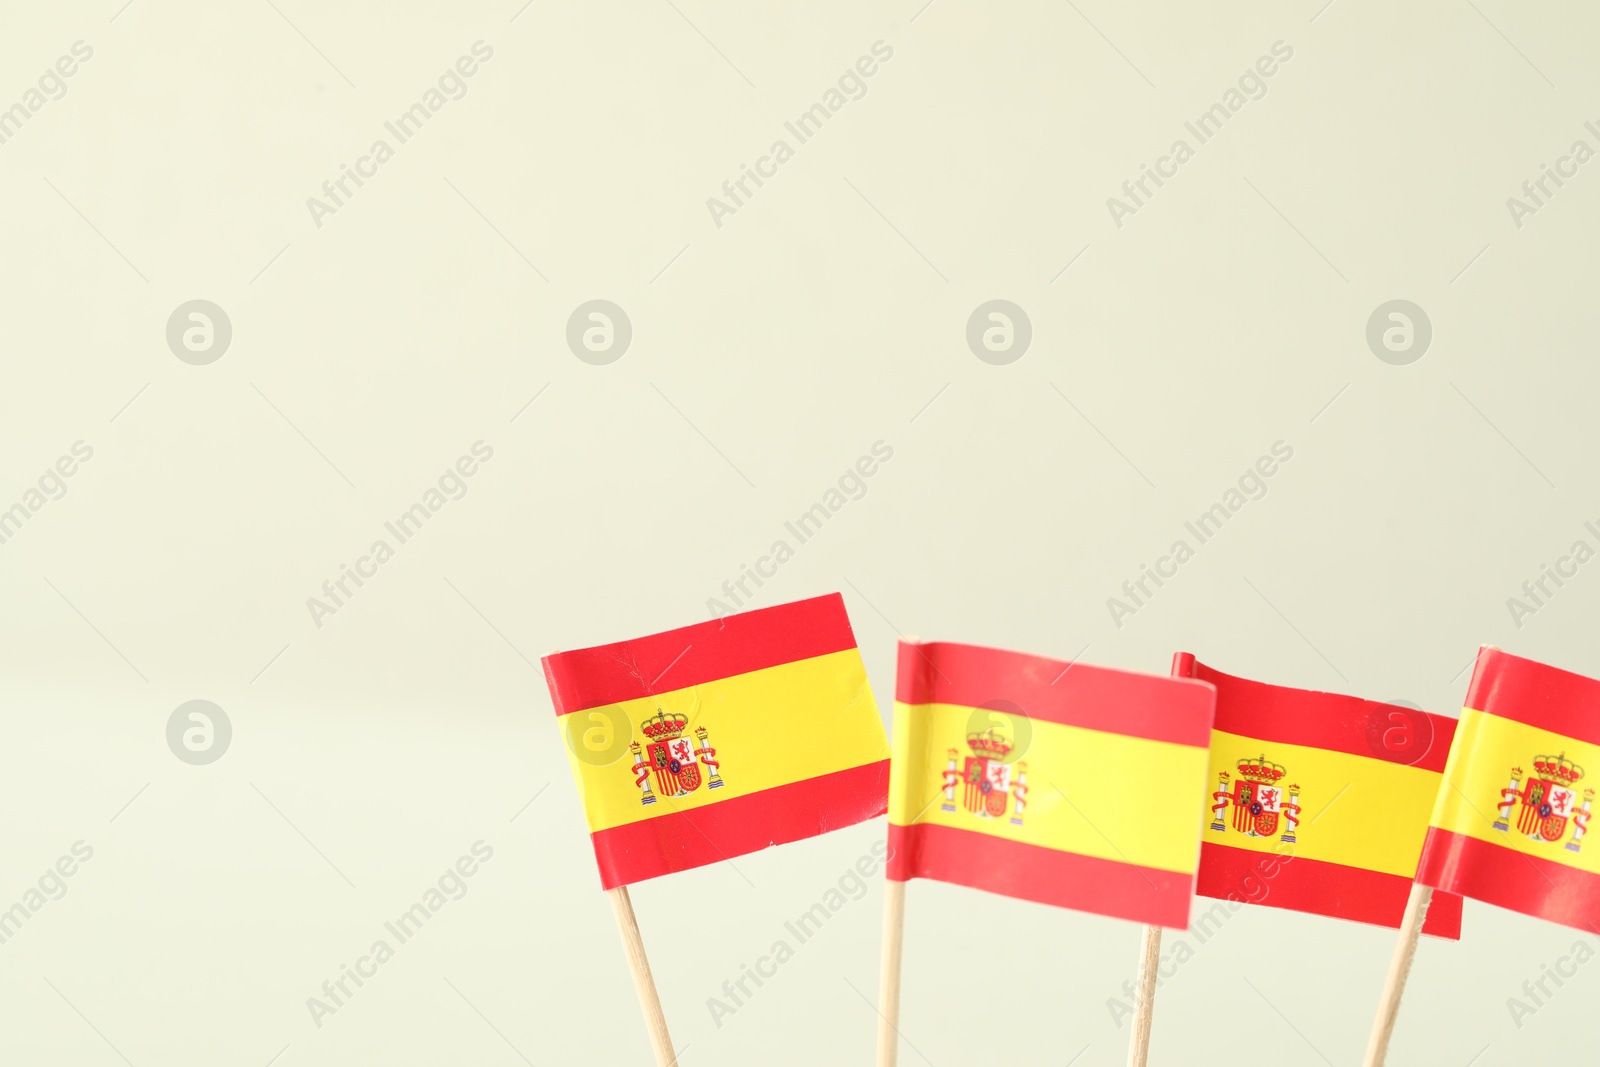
(1511, 823)
(718, 739)
(1319, 801)
(1061, 783)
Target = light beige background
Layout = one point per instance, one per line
(828, 313)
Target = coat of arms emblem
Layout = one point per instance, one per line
(986, 781)
(1259, 802)
(671, 759)
(1549, 802)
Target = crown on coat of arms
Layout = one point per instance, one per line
(990, 743)
(1260, 770)
(664, 727)
(1558, 768)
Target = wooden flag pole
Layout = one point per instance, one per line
(649, 1000)
(894, 924)
(1399, 968)
(1149, 960)
(894, 929)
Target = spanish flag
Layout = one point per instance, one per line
(1050, 781)
(718, 739)
(1509, 825)
(1320, 801)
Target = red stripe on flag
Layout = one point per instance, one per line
(693, 655)
(1052, 690)
(1031, 872)
(737, 826)
(1500, 876)
(1541, 696)
(1297, 883)
(1332, 721)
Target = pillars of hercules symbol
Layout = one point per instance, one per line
(708, 756)
(1508, 797)
(641, 774)
(1580, 819)
(1019, 792)
(1291, 814)
(951, 777)
(1220, 801)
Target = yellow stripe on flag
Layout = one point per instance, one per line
(1355, 810)
(765, 725)
(1088, 792)
(1487, 748)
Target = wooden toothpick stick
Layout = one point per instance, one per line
(894, 923)
(1399, 968)
(1144, 1007)
(649, 1001)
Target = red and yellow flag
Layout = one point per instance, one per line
(1510, 824)
(1320, 801)
(1030, 777)
(722, 738)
